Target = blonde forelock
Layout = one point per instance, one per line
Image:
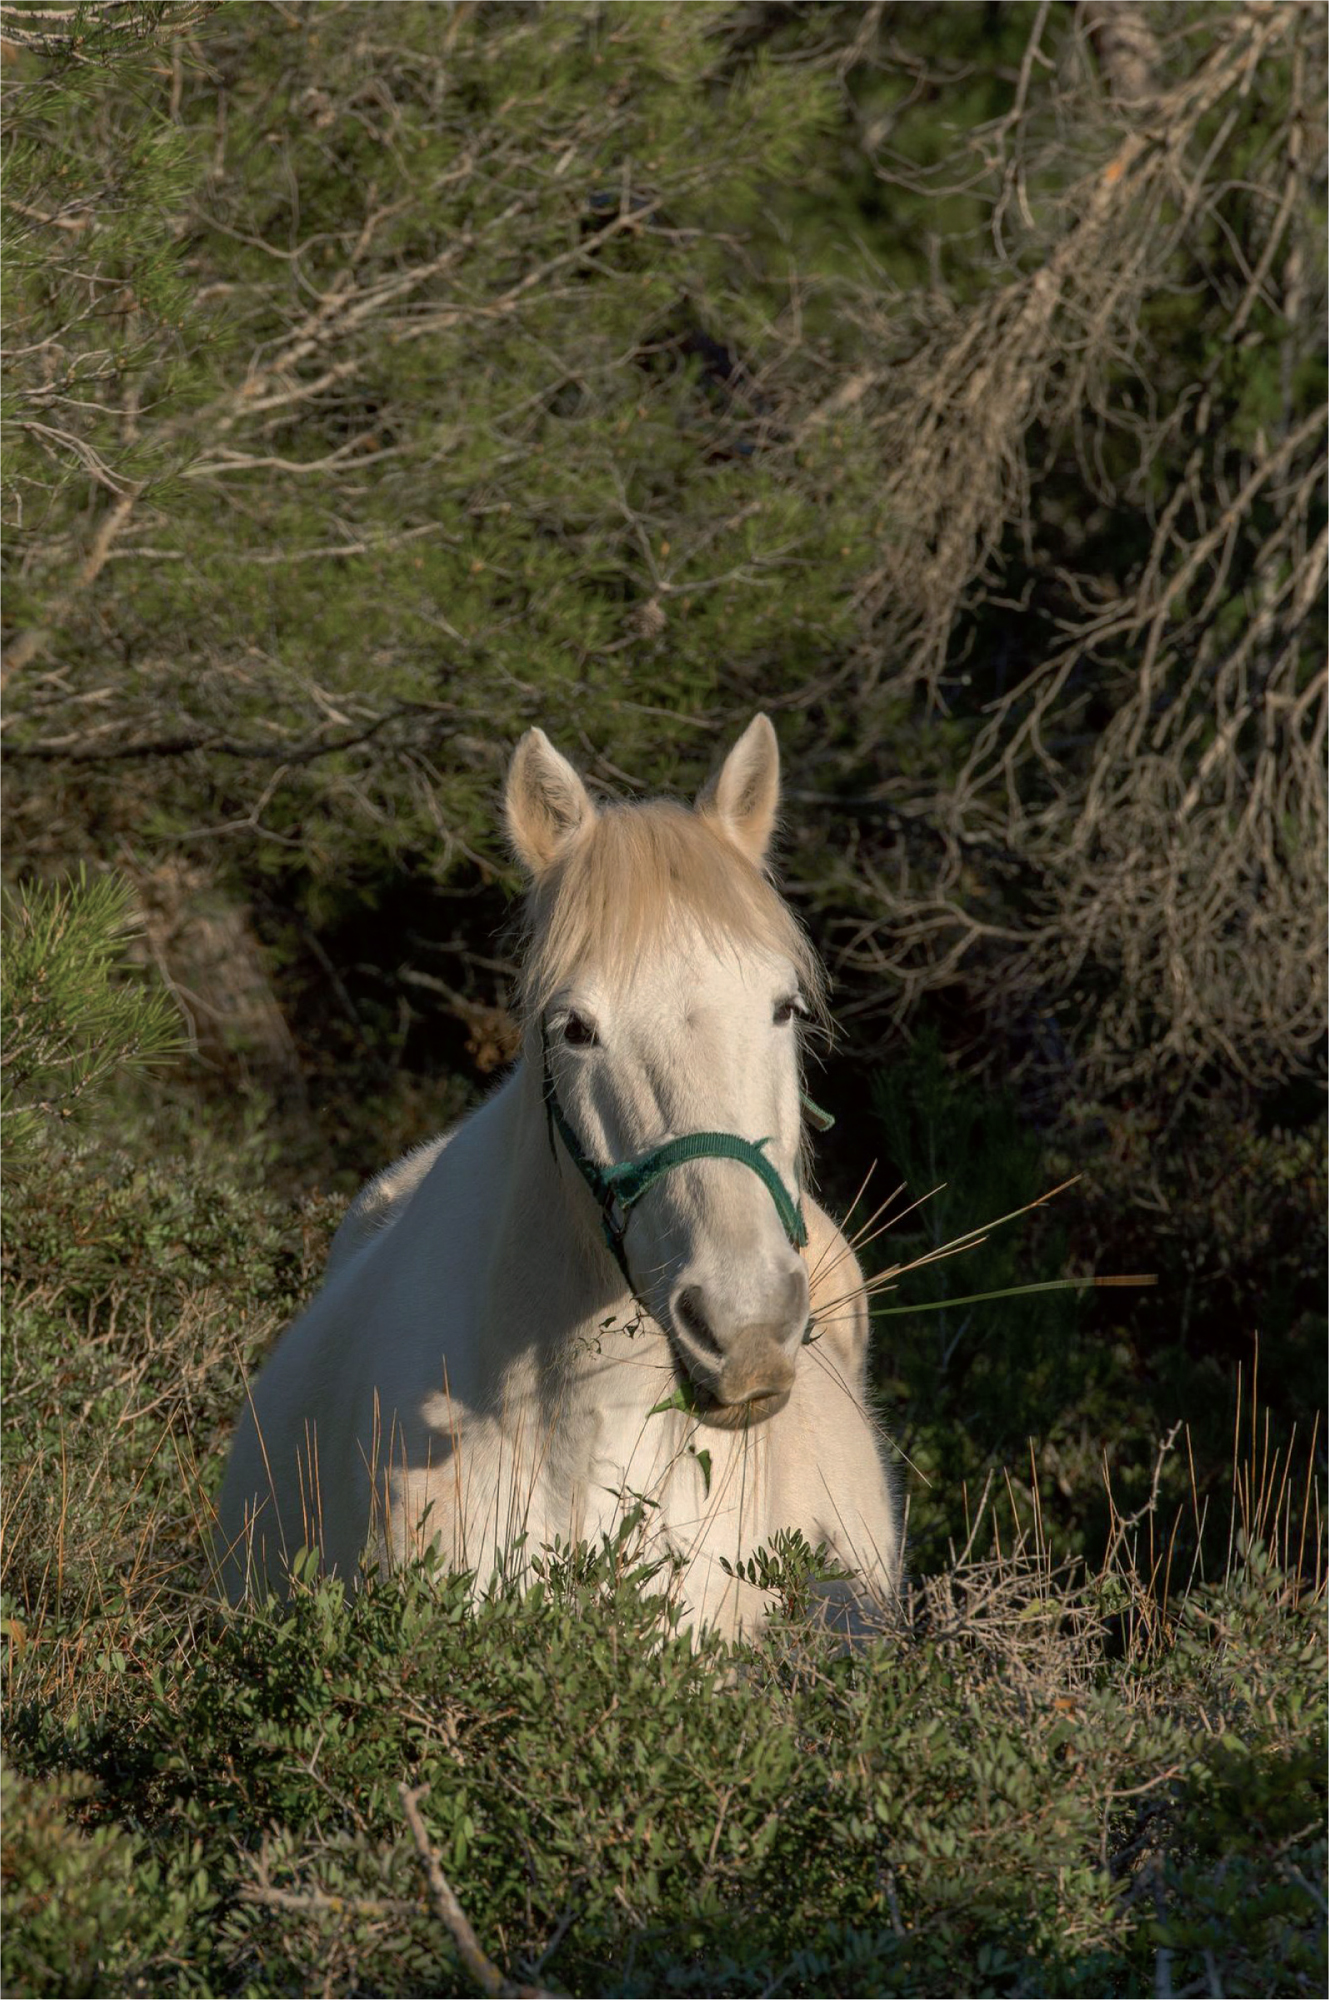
(631, 881)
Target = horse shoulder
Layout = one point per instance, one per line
(354, 1383)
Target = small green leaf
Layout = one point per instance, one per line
(682, 1397)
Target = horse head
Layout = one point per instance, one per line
(664, 984)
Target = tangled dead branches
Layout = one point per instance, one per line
(1153, 776)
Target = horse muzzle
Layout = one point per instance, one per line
(747, 1370)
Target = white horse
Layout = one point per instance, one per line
(603, 1290)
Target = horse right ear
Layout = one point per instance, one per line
(546, 803)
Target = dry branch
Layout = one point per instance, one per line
(450, 1912)
(1170, 854)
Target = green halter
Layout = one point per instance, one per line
(617, 1188)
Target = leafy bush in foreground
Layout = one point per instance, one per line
(633, 1816)
(85, 1912)
(1038, 1784)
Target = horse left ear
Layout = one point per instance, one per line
(745, 796)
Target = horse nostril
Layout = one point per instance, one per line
(689, 1309)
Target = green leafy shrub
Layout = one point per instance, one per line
(633, 1815)
(84, 1911)
(1027, 1787)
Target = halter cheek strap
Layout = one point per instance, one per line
(618, 1187)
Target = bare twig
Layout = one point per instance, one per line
(318, 1903)
(477, 1961)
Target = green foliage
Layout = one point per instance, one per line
(1020, 1790)
(84, 1912)
(69, 1021)
(91, 158)
(635, 1816)
(548, 370)
(612, 367)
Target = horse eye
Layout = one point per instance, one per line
(786, 1009)
(578, 1031)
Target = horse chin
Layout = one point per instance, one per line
(708, 1409)
(739, 1416)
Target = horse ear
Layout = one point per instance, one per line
(546, 803)
(745, 795)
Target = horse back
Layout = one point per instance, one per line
(381, 1201)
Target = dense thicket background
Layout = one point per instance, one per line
(948, 381)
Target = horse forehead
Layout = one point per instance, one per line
(689, 1006)
(693, 976)
(692, 1033)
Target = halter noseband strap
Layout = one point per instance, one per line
(617, 1188)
